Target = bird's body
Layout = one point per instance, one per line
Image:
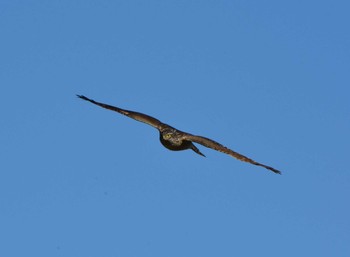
(171, 139)
(176, 140)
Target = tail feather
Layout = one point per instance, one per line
(196, 150)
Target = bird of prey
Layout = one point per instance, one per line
(177, 140)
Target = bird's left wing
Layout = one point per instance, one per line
(218, 147)
(131, 114)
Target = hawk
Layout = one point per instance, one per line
(176, 140)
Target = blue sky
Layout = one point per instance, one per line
(269, 79)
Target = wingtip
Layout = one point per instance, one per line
(275, 171)
(83, 97)
(270, 168)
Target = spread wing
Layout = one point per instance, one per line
(134, 115)
(218, 147)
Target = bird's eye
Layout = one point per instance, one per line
(167, 136)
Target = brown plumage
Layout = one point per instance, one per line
(177, 140)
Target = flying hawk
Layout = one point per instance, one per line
(177, 140)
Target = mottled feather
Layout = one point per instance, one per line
(131, 114)
(219, 147)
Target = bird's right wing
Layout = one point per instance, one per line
(219, 147)
(134, 115)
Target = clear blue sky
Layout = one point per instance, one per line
(269, 79)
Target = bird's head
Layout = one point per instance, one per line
(167, 135)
